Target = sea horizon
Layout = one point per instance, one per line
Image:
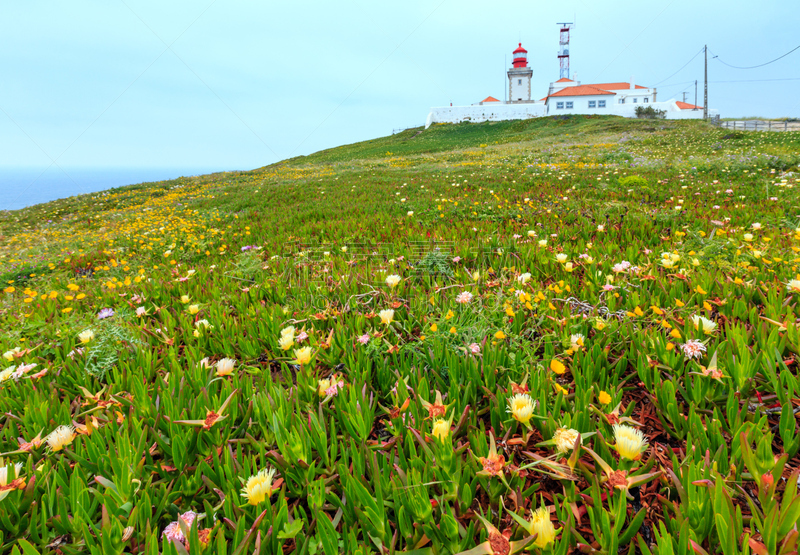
(21, 186)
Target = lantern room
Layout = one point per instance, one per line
(520, 57)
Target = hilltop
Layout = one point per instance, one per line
(555, 334)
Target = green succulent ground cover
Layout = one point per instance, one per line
(548, 335)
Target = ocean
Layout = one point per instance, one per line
(21, 187)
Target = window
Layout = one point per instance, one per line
(622, 101)
(645, 100)
(519, 81)
(569, 105)
(559, 105)
(634, 100)
(601, 103)
(592, 103)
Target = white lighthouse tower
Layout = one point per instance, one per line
(519, 77)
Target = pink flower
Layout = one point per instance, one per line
(333, 390)
(364, 339)
(456, 260)
(464, 297)
(608, 287)
(173, 530)
(693, 348)
(475, 349)
(302, 336)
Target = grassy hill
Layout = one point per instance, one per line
(550, 335)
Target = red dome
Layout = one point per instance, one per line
(520, 57)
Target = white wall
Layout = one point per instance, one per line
(519, 91)
(495, 111)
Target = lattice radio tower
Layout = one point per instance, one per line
(563, 50)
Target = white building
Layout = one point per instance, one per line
(620, 99)
(565, 96)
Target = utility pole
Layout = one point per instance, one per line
(695, 95)
(684, 97)
(705, 84)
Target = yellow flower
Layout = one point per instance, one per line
(387, 316)
(630, 442)
(194, 308)
(521, 407)
(286, 342)
(303, 356)
(80, 296)
(9, 355)
(60, 437)
(449, 315)
(434, 328)
(452, 329)
(542, 526)
(86, 335)
(259, 487)
(565, 439)
(604, 398)
(500, 335)
(225, 366)
(185, 299)
(679, 303)
(441, 428)
(675, 333)
(557, 366)
(700, 290)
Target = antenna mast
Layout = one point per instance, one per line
(563, 50)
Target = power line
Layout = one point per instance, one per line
(677, 72)
(757, 80)
(759, 65)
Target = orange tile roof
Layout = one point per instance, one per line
(687, 106)
(615, 86)
(565, 80)
(580, 90)
(490, 99)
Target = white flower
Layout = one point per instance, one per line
(60, 437)
(225, 366)
(86, 335)
(561, 257)
(565, 439)
(393, 280)
(756, 226)
(701, 322)
(576, 341)
(386, 316)
(524, 278)
(542, 242)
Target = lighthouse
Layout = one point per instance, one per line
(519, 77)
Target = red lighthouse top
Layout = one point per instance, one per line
(520, 57)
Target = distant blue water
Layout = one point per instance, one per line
(21, 187)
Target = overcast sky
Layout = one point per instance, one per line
(241, 84)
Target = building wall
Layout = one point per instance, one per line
(613, 108)
(580, 105)
(519, 90)
(488, 112)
